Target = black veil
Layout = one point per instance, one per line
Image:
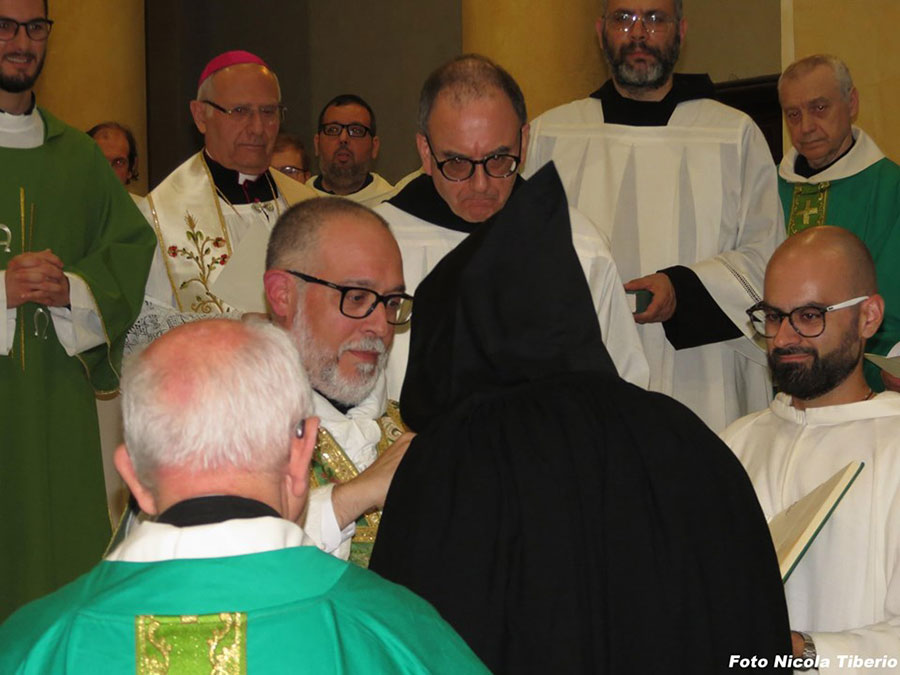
(561, 519)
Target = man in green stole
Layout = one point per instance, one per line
(74, 258)
(223, 580)
(334, 279)
(835, 174)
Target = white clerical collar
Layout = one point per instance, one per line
(864, 153)
(21, 131)
(153, 542)
(357, 431)
(884, 404)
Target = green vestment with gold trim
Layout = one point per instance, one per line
(54, 521)
(330, 464)
(861, 193)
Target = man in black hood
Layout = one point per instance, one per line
(561, 519)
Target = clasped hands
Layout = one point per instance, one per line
(36, 277)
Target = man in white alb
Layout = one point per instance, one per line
(685, 189)
(821, 305)
(472, 138)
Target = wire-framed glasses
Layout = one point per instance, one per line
(358, 303)
(808, 321)
(652, 22)
(269, 114)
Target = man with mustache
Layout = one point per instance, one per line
(821, 305)
(835, 174)
(685, 189)
(347, 144)
(74, 257)
(334, 280)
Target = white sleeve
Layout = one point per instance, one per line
(322, 527)
(847, 652)
(7, 327)
(613, 311)
(81, 327)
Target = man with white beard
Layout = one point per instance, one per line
(334, 279)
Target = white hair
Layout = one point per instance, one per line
(808, 63)
(244, 404)
(207, 89)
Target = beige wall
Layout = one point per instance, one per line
(863, 34)
(555, 56)
(95, 68)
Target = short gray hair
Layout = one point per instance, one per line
(295, 237)
(469, 77)
(806, 64)
(245, 399)
(679, 9)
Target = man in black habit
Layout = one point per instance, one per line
(561, 519)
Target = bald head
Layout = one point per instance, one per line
(829, 255)
(214, 395)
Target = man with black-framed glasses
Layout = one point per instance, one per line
(820, 306)
(472, 139)
(74, 258)
(685, 189)
(334, 280)
(346, 144)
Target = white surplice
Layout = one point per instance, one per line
(700, 192)
(845, 591)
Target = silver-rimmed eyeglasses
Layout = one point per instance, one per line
(358, 303)
(652, 22)
(808, 321)
(36, 29)
(269, 114)
(458, 168)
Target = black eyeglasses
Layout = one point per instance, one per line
(354, 130)
(652, 22)
(36, 29)
(808, 321)
(269, 114)
(457, 169)
(358, 303)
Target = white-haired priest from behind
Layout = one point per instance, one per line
(221, 578)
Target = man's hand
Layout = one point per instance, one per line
(368, 490)
(891, 383)
(662, 307)
(36, 277)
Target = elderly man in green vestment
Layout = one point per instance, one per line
(222, 579)
(74, 258)
(836, 175)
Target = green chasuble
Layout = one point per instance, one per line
(294, 610)
(54, 521)
(859, 192)
(331, 464)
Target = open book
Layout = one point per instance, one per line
(794, 529)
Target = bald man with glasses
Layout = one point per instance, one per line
(820, 306)
(472, 136)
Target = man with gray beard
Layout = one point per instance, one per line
(334, 279)
(685, 189)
